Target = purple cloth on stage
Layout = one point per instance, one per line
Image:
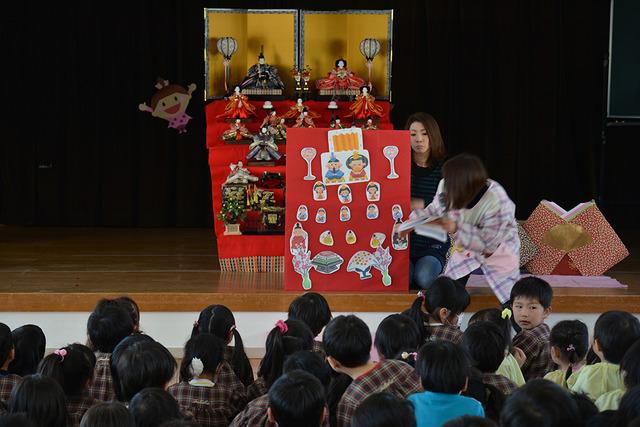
(558, 281)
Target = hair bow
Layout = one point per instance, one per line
(280, 324)
(195, 324)
(61, 352)
(506, 313)
(196, 367)
(422, 294)
(571, 348)
(405, 355)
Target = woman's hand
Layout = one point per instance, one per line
(417, 203)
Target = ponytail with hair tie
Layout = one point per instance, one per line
(62, 353)
(282, 326)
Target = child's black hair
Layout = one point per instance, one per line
(312, 363)
(500, 318)
(206, 347)
(541, 403)
(218, 320)
(108, 414)
(485, 344)
(384, 410)
(470, 421)
(444, 292)
(534, 288)
(630, 365)
(348, 340)
(90, 355)
(153, 406)
(443, 367)
(616, 331)
(115, 356)
(6, 343)
(586, 407)
(132, 308)
(313, 309)
(397, 333)
(281, 343)
(29, 342)
(15, 420)
(108, 325)
(629, 409)
(571, 338)
(138, 363)
(70, 367)
(42, 399)
(297, 399)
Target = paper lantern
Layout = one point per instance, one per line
(369, 48)
(227, 46)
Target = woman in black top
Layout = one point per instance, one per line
(428, 256)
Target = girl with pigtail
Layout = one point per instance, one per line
(287, 337)
(437, 311)
(72, 367)
(569, 342)
(218, 320)
(210, 403)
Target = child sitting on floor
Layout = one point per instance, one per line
(255, 413)
(509, 367)
(29, 343)
(437, 311)
(152, 407)
(297, 399)
(285, 338)
(485, 344)
(72, 367)
(112, 414)
(444, 371)
(397, 335)
(347, 342)
(384, 410)
(7, 381)
(569, 342)
(209, 403)
(614, 333)
(41, 399)
(630, 369)
(107, 326)
(531, 301)
(139, 362)
(218, 320)
(312, 309)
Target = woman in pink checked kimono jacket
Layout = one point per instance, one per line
(480, 215)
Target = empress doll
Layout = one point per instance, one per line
(364, 106)
(340, 78)
(238, 106)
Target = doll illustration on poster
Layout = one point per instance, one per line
(344, 194)
(319, 191)
(334, 173)
(373, 191)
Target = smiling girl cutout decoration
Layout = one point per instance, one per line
(170, 103)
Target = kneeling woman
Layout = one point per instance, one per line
(480, 215)
(427, 256)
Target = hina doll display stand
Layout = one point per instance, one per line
(257, 253)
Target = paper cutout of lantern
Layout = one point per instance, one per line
(369, 48)
(227, 46)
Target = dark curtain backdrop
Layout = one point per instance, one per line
(518, 82)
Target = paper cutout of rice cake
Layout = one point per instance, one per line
(327, 262)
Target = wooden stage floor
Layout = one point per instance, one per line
(68, 269)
